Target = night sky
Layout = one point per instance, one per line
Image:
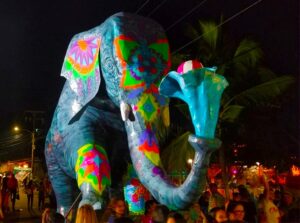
(35, 35)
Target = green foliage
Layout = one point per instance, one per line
(231, 113)
(252, 86)
(210, 33)
(175, 156)
(248, 53)
(262, 94)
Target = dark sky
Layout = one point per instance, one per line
(35, 35)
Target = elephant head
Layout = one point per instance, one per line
(134, 55)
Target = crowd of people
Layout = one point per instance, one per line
(10, 192)
(274, 205)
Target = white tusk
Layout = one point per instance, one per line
(125, 110)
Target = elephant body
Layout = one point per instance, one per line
(130, 54)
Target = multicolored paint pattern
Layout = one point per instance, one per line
(139, 60)
(82, 57)
(143, 65)
(92, 167)
(149, 145)
(134, 192)
(148, 107)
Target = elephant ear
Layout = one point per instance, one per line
(81, 69)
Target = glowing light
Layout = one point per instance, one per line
(190, 161)
(295, 170)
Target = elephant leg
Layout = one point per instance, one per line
(92, 173)
(63, 185)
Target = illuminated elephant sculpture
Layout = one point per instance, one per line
(133, 55)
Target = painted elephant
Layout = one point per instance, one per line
(133, 55)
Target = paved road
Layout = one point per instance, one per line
(22, 214)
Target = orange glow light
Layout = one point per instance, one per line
(295, 170)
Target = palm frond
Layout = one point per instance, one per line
(231, 113)
(201, 48)
(265, 74)
(191, 32)
(175, 156)
(248, 53)
(210, 33)
(263, 93)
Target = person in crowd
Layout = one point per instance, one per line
(47, 186)
(249, 204)
(195, 214)
(124, 220)
(116, 209)
(217, 215)
(58, 218)
(236, 196)
(203, 202)
(24, 182)
(160, 214)
(41, 196)
(149, 208)
(175, 217)
(86, 214)
(48, 214)
(216, 199)
(268, 212)
(29, 192)
(5, 194)
(1, 212)
(235, 211)
(13, 188)
(289, 207)
(277, 197)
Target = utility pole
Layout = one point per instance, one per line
(33, 117)
(32, 151)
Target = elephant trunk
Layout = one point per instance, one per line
(146, 161)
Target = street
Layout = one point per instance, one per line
(22, 214)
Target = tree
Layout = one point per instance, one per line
(252, 86)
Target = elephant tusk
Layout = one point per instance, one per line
(125, 110)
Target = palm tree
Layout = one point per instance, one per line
(251, 85)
